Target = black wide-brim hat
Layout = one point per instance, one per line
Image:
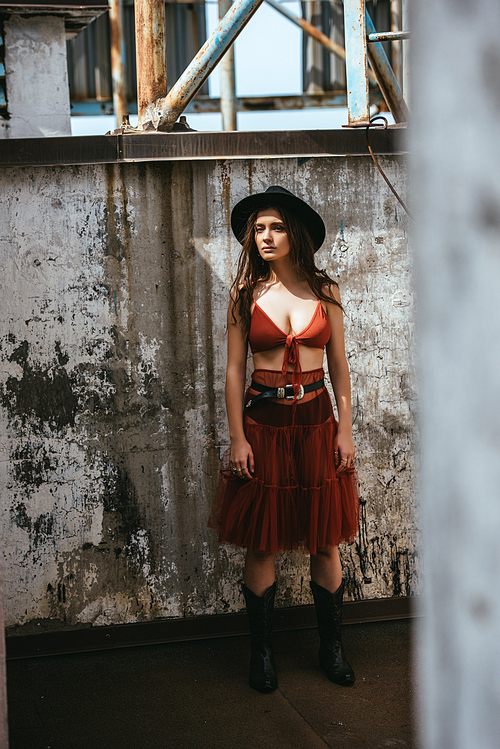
(277, 196)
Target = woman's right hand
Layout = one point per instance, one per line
(241, 459)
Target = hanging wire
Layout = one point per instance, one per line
(384, 127)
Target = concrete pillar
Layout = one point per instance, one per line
(456, 183)
(36, 77)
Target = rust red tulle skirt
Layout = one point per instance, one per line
(296, 500)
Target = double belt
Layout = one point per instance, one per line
(286, 392)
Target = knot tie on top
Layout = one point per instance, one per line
(264, 335)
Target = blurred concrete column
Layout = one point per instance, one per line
(227, 79)
(455, 158)
(405, 16)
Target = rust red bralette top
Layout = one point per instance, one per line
(264, 334)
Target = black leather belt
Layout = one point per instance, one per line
(285, 392)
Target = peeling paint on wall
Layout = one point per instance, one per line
(112, 342)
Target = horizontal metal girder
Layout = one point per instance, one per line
(134, 147)
(207, 104)
(387, 36)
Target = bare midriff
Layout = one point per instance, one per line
(310, 358)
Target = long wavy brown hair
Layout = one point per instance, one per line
(252, 269)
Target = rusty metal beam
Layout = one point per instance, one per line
(397, 52)
(118, 148)
(406, 55)
(150, 55)
(227, 79)
(204, 104)
(117, 59)
(385, 76)
(166, 111)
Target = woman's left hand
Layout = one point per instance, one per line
(345, 451)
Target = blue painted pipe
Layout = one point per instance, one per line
(386, 36)
(356, 66)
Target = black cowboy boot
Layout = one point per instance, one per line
(331, 653)
(260, 614)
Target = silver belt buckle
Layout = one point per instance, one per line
(281, 393)
(300, 394)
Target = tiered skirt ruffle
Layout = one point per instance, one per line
(296, 499)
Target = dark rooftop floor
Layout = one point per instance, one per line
(195, 695)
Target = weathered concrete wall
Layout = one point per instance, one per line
(114, 292)
(36, 77)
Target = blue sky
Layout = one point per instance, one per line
(258, 73)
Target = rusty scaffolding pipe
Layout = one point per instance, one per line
(117, 60)
(227, 79)
(315, 33)
(150, 56)
(385, 75)
(406, 54)
(359, 30)
(396, 45)
(167, 110)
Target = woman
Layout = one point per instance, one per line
(288, 481)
